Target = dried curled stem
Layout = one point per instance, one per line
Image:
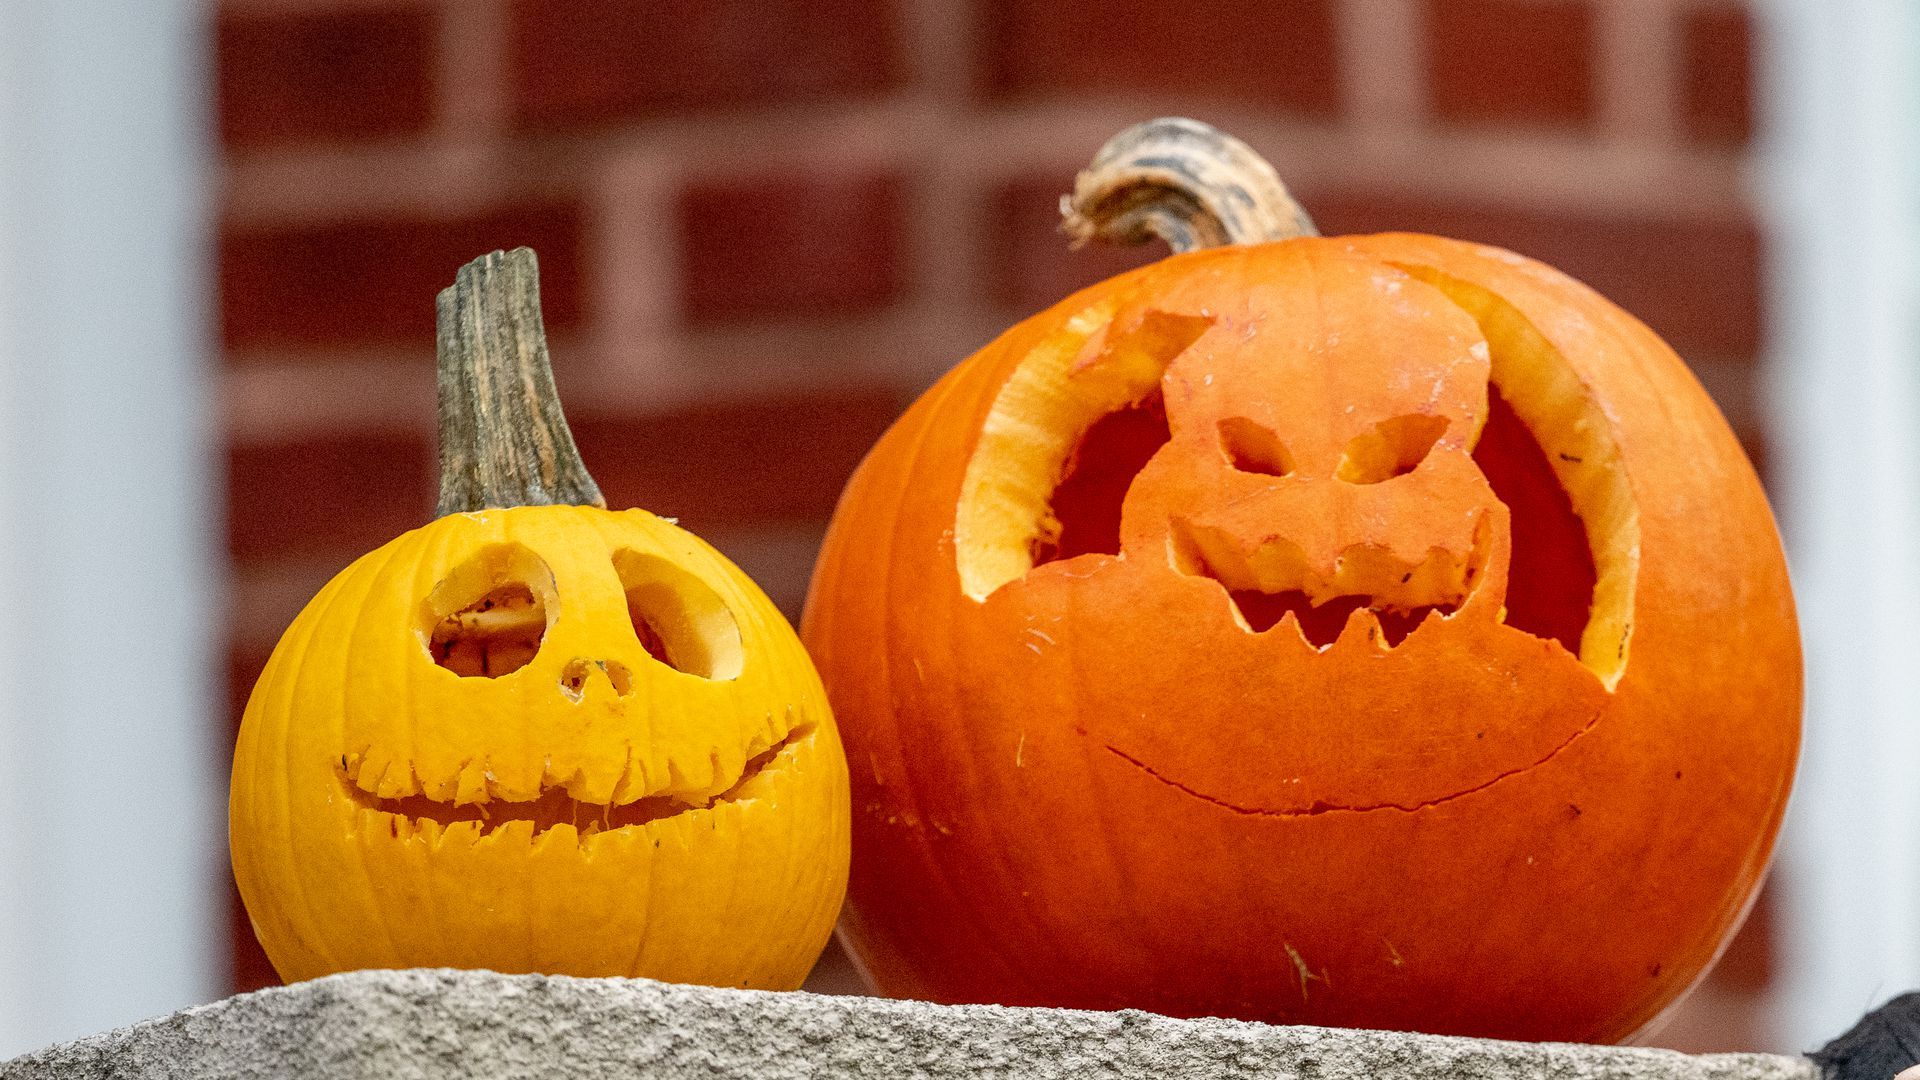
(503, 439)
(1184, 182)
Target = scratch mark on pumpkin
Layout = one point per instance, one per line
(1306, 974)
(1019, 752)
(1321, 806)
(1393, 954)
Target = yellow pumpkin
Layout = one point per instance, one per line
(537, 735)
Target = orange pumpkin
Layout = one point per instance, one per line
(1375, 631)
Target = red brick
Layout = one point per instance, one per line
(1718, 67)
(1032, 265)
(325, 76)
(1255, 51)
(1527, 62)
(756, 461)
(800, 244)
(373, 282)
(759, 461)
(336, 497)
(577, 63)
(1696, 282)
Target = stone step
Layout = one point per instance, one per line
(402, 1025)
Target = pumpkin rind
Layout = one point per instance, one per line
(1091, 784)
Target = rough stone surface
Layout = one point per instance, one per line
(400, 1025)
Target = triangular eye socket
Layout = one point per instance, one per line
(1390, 448)
(1253, 448)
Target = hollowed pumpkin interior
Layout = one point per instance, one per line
(1081, 414)
(487, 618)
(1539, 386)
(678, 618)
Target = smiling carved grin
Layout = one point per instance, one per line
(414, 815)
(1273, 584)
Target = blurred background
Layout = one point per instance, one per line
(764, 226)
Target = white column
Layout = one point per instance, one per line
(111, 831)
(1841, 178)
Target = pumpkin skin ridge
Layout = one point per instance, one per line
(292, 658)
(1492, 269)
(378, 570)
(889, 674)
(1605, 753)
(885, 677)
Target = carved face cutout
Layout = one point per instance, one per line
(560, 739)
(488, 621)
(1365, 503)
(594, 685)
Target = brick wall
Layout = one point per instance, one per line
(765, 224)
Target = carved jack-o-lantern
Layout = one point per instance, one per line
(1380, 631)
(536, 735)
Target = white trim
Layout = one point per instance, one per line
(1842, 171)
(111, 836)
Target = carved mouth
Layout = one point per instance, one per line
(432, 818)
(1322, 623)
(1274, 584)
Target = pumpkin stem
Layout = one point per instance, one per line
(1184, 182)
(503, 439)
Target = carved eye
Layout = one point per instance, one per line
(679, 619)
(487, 618)
(1252, 448)
(1073, 426)
(1390, 448)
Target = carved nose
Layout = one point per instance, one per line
(580, 671)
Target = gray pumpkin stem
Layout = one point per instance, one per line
(503, 439)
(1184, 182)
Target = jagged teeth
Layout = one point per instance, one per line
(475, 782)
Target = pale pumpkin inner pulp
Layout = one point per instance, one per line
(1066, 436)
(495, 635)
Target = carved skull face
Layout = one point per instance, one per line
(1305, 492)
